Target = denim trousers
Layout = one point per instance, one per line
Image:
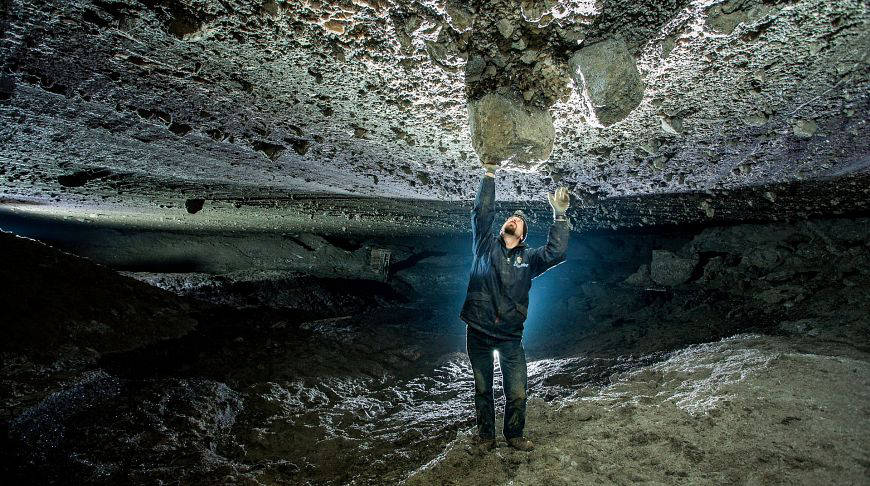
(512, 360)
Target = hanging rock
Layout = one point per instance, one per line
(502, 129)
(608, 74)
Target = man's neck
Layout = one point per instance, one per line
(510, 242)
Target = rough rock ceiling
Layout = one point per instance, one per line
(139, 105)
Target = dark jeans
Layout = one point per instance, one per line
(512, 360)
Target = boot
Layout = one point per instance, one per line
(481, 445)
(521, 444)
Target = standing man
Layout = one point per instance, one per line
(497, 304)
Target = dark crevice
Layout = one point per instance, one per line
(756, 32)
(300, 146)
(177, 17)
(163, 265)
(193, 206)
(271, 150)
(413, 260)
(200, 353)
(347, 244)
(7, 87)
(704, 258)
(180, 129)
(300, 243)
(80, 178)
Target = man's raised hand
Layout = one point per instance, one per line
(559, 201)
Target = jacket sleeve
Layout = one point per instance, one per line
(482, 215)
(548, 256)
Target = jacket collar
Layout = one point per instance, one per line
(520, 246)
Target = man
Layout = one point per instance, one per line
(497, 304)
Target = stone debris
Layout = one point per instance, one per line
(669, 269)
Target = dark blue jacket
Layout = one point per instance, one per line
(497, 302)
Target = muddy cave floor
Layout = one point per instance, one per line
(688, 386)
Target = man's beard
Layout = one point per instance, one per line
(510, 229)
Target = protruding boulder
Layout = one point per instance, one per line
(640, 278)
(669, 269)
(608, 74)
(502, 129)
(505, 28)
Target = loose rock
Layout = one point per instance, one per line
(669, 269)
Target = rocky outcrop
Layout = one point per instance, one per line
(61, 302)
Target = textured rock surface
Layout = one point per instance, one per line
(132, 107)
(502, 131)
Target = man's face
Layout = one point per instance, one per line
(513, 226)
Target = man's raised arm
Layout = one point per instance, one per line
(483, 212)
(553, 253)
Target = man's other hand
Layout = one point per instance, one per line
(559, 201)
(491, 168)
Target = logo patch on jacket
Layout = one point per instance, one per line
(519, 262)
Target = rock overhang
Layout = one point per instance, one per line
(139, 104)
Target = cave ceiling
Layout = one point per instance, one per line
(361, 107)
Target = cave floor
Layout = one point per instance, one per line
(254, 398)
(749, 409)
